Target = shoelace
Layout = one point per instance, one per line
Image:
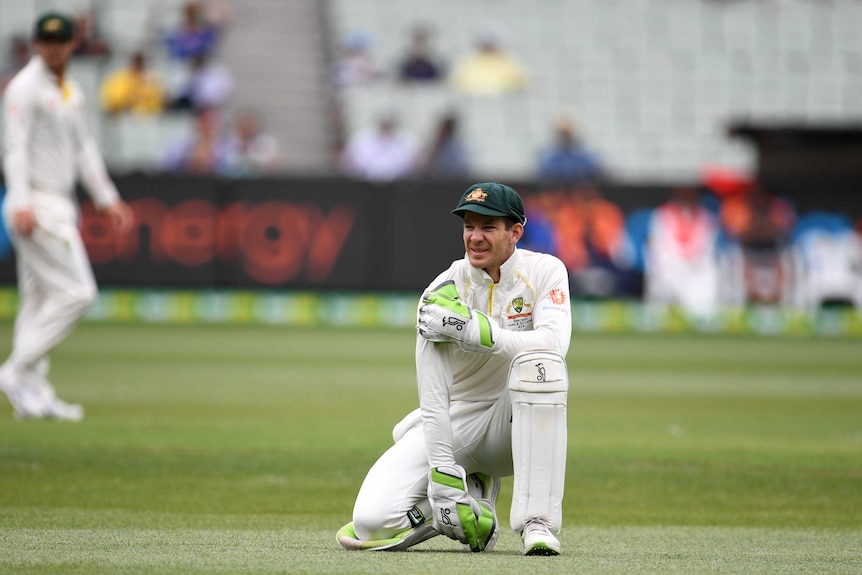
(534, 526)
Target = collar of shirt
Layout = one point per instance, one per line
(507, 272)
(52, 79)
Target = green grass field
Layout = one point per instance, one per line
(214, 449)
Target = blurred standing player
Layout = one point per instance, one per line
(46, 146)
(494, 330)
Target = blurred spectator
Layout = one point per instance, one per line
(133, 89)
(89, 37)
(217, 13)
(539, 233)
(356, 65)
(447, 156)
(725, 182)
(589, 232)
(195, 36)
(207, 84)
(420, 65)
(247, 151)
(197, 153)
(17, 58)
(568, 160)
(381, 154)
(761, 224)
(828, 254)
(681, 260)
(489, 70)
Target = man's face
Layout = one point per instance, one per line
(55, 53)
(488, 243)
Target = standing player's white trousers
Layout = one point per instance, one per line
(398, 481)
(56, 286)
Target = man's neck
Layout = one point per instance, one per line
(58, 72)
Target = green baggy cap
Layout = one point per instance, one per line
(492, 199)
(54, 26)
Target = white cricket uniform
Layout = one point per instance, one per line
(466, 413)
(46, 148)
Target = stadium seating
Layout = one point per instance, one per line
(651, 84)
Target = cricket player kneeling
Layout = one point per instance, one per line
(538, 387)
(492, 332)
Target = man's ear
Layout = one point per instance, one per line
(517, 232)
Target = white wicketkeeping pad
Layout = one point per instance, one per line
(538, 385)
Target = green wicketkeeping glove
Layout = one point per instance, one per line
(443, 317)
(457, 515)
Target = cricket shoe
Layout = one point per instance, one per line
(34, 398)
(63, 411)
(27, 403)
(402, 541)
(53, 407)
(538, 539)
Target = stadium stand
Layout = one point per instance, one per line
(651, 84)
(276, 52)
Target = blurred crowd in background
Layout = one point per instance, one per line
(411, 101)
(191, 84)
(723, 244)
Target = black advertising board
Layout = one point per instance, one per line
(312, 233)
(269, 233)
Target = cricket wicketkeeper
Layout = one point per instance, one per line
(493, 332)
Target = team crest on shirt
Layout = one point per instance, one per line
(519, 314)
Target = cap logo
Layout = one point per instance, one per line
(52, 25)
(477, 195)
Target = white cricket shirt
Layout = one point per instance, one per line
(531, 304)
(47, 146)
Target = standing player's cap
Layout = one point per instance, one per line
(54, 26)
(492, 199)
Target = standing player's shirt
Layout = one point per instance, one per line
(48, 146)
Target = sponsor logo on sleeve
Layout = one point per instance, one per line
(557, 296)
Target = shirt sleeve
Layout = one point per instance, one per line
(18, 120)
(434, 376)
(91, 166)
(552, 316)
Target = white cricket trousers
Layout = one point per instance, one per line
(56, 286)
(398, 480)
